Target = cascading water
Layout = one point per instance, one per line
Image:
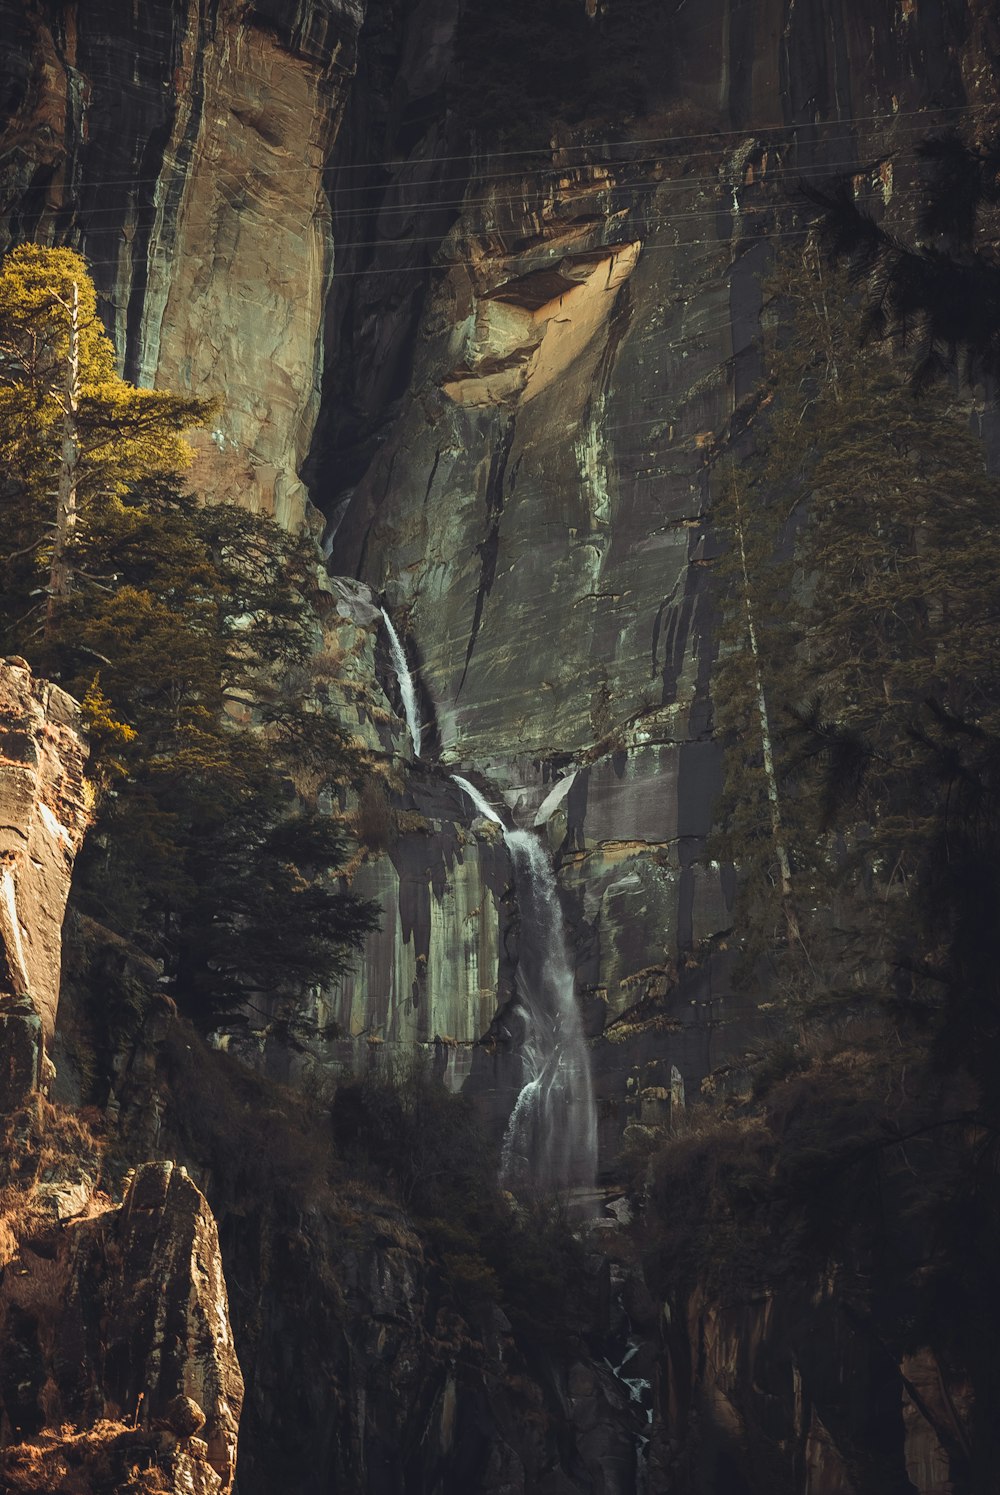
(551, 1138)
(406, 688)
(482, 805)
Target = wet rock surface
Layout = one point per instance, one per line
(532, 490)
(501, 388)
(368, 1365)
(500, 379)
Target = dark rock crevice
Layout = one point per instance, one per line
(389, 172)
(489, 547)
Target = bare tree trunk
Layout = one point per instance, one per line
(824, 312)
(771, 778)
(61, 569)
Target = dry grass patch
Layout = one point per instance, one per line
(109, 1458)
(63, 1149)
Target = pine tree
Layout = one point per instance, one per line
(873, 570)
(158, 612)
(209, 607)
(74, 436)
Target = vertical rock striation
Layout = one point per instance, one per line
(183, 149)
(538, 501)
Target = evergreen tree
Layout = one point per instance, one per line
(874, 578)
(163, 616)
(73, 435)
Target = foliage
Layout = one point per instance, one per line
(779, 1180)
(202, 853)
(108, 1458)
(857, 1196)
(875, 553)
(125, 433)
(74, 437)
(951, 977)
(403, 1128)
(180, 616)
(873, 531)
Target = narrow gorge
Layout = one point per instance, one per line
(499, 866)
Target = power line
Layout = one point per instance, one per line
(474, 264)
(681, 185)
(632, 221)
(716, 136)
(449, 264)
(738, 135)
(609, 165)
(462, 204)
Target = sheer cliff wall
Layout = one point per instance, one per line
(501, 376)
(182, 147)
(515, 446)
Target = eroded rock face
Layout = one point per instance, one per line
(408, 1392)
(117, 1314)
(43, 818)
(536, 501)
(183, 148)
(800, 1383)
(506, 392)
(521, 376)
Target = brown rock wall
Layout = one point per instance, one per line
(44, 813)
(789, 1389)
(238, 267)
(117, 1313)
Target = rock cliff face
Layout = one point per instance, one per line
(110, 1318)
(748, 1401)
(182, 148)
(530, 489)
(500, 377)
(43, 816)
(121, 1315)
(366, 1370)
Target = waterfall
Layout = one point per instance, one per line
(405, 678)
(482, 805)
(551, 1137)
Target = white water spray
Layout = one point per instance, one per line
(482, 805)
(551, 1137)
(405, 678)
